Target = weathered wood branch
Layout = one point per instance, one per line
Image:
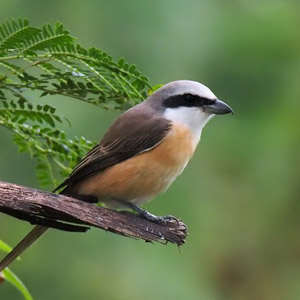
(65, 213)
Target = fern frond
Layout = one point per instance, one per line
(47, 59)
(22, 111)
(16, 38)
(48, 39)
(48, 146)
(52, 49)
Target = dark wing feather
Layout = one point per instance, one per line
(132, 133)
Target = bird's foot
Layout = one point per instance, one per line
(153, 218)
(160, 219)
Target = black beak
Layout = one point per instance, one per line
(218, 108)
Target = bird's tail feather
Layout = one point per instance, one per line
(28, 240)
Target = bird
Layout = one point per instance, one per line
(142, 153)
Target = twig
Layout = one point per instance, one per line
(65, 213)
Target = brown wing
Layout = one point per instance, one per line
(134, 132)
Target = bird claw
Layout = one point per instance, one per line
(153, 218)
(168, 218)
(161, 220)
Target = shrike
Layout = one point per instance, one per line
(142, 153)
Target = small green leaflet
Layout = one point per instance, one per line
(13, 279)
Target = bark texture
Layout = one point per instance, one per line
(65, 213)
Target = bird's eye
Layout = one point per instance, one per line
(189, 97)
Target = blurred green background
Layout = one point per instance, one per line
(240, 193)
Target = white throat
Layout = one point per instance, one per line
(191, 117)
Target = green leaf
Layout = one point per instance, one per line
(57, 66)
(121, 62)
(154, 88)
(4, 247)
(13, 279)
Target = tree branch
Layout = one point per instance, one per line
(65, 213)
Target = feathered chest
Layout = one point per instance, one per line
(176, 149)
(145, 175)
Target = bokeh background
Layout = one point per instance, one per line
(239, 194)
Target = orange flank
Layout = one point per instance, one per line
(140, 178)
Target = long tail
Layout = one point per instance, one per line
(28, 240)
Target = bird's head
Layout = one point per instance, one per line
(189, 103)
